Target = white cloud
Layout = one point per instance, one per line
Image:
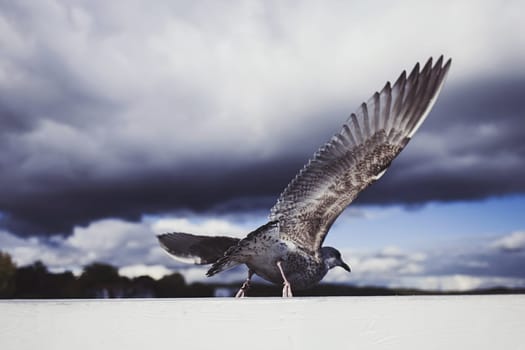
(377, 265)
(476, 264)
(107, 235)
(133, 248)
(411, 269)
(208, 227)
(112, 241)
(155, 271)
(456, 282)
(390, 260)
(391, 251)
(453, 282)
(512, 242)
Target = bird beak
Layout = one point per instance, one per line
(345, 266)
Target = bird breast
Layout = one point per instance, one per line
(302, 270)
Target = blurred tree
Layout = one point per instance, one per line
(7, 275)
(171, 286)
(61, 285)
(99, 273)
(142, 287)
(200, 290)
(31, 281)
(35, 281)
(99, 280)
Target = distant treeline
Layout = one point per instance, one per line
(100, 280)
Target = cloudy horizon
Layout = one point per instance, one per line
(121, 120)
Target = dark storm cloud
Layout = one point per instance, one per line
(219, 187)
(57, 201)
(476, 147)
(112, 109)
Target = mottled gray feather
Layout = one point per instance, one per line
(357, 156)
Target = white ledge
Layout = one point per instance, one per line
(404, 322)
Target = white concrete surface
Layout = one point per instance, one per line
(440, 322)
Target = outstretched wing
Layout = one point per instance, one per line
(194, 249)
(357, 156)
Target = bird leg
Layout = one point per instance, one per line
(245, 286)
(287, 289)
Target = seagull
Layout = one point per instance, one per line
(289, 249)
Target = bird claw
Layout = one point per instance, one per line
(245, 286)
(287, 290)
(242, 291)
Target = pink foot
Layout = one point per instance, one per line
(245, 286)
(287, 289)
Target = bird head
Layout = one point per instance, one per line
(332, 258)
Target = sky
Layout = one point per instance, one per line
(121, 120)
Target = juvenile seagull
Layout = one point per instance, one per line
(288, 249)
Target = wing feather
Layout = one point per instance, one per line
(357, 156)
(200, 250)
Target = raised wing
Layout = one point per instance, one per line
(357, 156)
(194, 249)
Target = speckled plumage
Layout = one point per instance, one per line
(261, 250)
(352, 160)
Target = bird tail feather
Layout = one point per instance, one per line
(200, 250)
